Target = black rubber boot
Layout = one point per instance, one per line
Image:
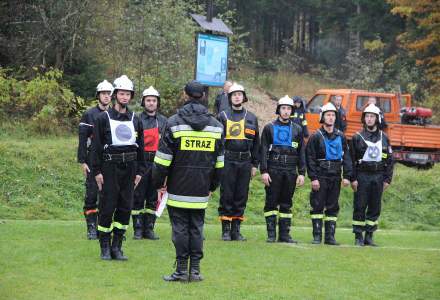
(104, 242)
(368, 241)
(137, 226)
(116, 249)
(235, 231)
(226, 230)
(317, 231)
(181, 273)
(271, 225)
(149, 221)
(194, 270)
(358, 239)
(284, 231)
(91, 220)
(330, 230)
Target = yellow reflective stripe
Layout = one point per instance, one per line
(136, 212)
(193, 205)
(294, 145)
(150, 211)
(219, 164)
(283, 215)
(105, 229)
(328, 218)
(358, 223)
(317, 216)
(371, 223)
(161, 161)
(190, 133)
(384, 155)
(304, 123)
(271, 213)
(119, 226)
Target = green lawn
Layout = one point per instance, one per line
(53, 260)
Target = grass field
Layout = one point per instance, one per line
(53, 260)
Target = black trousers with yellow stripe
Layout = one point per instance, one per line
(145, 195)
(280, 192)
(326, 199)
(234, 188)
(116, 197)
(91, 195)
(367, 201)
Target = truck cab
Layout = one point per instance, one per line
(413, 145)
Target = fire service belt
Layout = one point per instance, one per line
(283, 159)
(370, 166)
(330, 165)
(235, 155)
(149, 156)
(120, 157)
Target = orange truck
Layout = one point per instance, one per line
(415, 142)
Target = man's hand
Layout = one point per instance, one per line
(99, 181)
(315, 185)
(85, 169)
(300, 181)
(345, 182)
(137, 179)
(385, 185)
(266, 179)
(253, 172)
(354, 185)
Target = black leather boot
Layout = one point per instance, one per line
(317, 231)
(91, 220)
(137, 226)
(149, 221)
(235, 231)
(104, 242)
(271, 225)
(116, 249)
(284, 231)
(194, 270)
(181, 273)
(330, 230)
(358, 239)
(368, 241)
(226, 230)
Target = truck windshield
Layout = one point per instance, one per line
(314, 106)
(383, 103)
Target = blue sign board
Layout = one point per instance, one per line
(212, 59)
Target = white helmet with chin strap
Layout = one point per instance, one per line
(286, 100)
(372, 109)
(235, 87)
(123, 83)
(104, 86)
(151, 91)
(325, 108)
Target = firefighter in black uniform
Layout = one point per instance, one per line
(85, 131)
(299, 114)
(145, 195)
(372, 173)
(190, 158)
(118, 163)
(241, 162)
(327, 153)
(282, 159)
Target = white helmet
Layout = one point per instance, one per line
(372, 109)
(151, 91)
(286, 100)
(235, 87)
(104, 86)
(325, 108)
(123, 83)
